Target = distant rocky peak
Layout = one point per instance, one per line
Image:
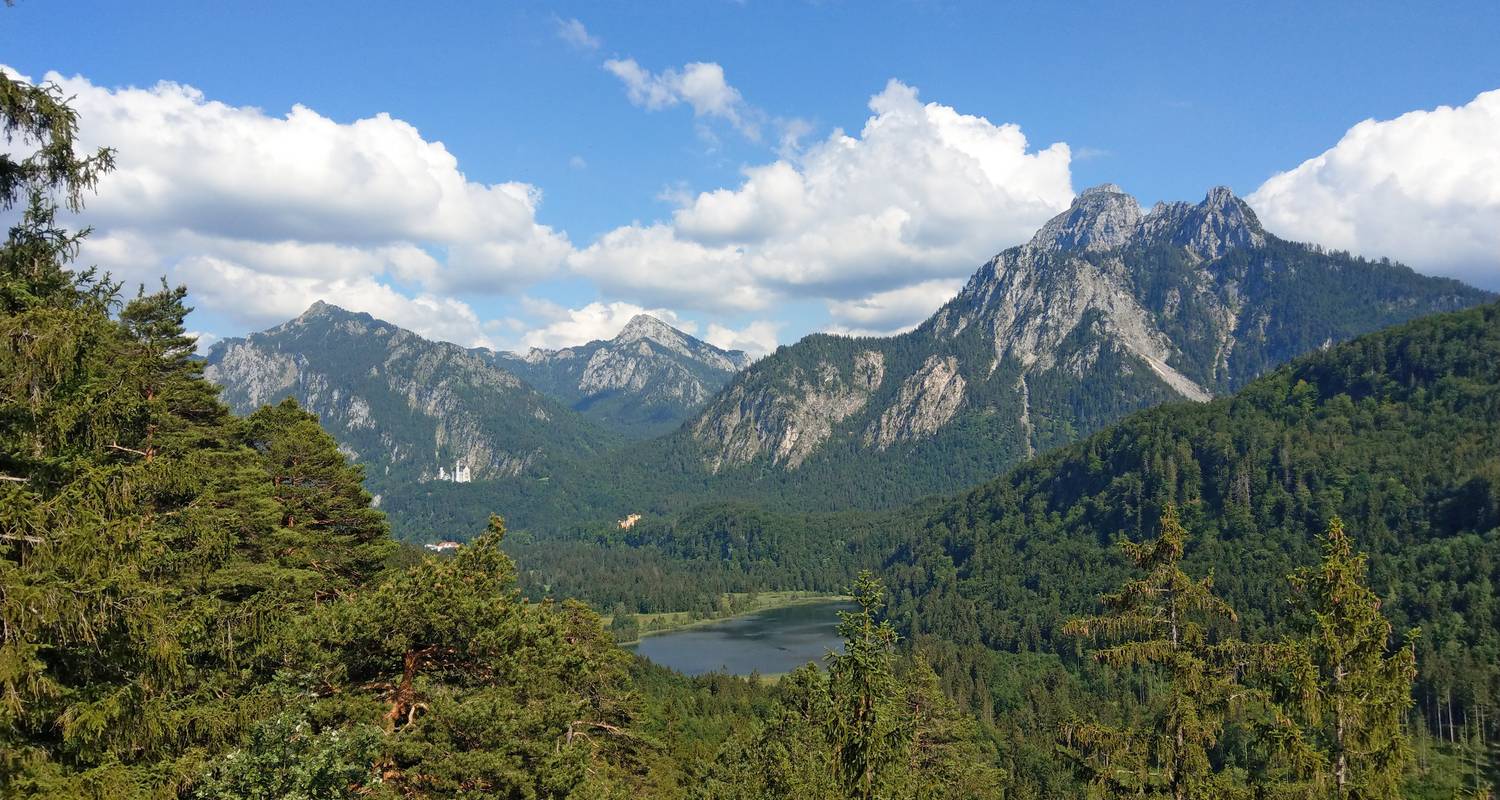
(1101, 218)
(645, 326)
(1209, 228)
(322, 310)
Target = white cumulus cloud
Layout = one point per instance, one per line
(257, 299)
(700, 84)
(923, 193)
(756, 338)
(894, 311)
(210, 193)
(1423, 188)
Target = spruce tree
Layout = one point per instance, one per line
(1355, 696)
(325, 523)
(867, 726)
(1160, 623)
(947, 757)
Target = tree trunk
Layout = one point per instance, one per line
(1341, 758)
(405, 693)
(1448, 695)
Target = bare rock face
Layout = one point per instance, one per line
(1104, 311)
(1101, 218)
(1208, 229)
(927, 400)
(406, 407)
(1030, 303)
(647, 379)
(787, 426)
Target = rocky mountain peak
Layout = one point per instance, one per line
(645, 326)
(1209, 228)
(320, 308)
(324, 311)
(1105, 217)
(646, 380)
(1101, 217)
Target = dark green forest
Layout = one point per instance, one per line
(1286, 593)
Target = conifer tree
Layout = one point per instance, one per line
(1160, 623)
(872, 726)
(326, 525)
(867, 726)
(178, 408)
(947, 757)
(88, 656)
(1356, 694)
(478, 691)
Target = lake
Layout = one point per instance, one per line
(768, 642)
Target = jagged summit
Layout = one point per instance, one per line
(645, 326)
(321, 309)
(324, 310)
(1106, 310)
(1101, 218)
(644, 381)
(1105, 217)
(1209, 228)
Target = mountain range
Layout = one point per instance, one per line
(406, 408)
(414, 410)
(645, 381)
(1108, 309)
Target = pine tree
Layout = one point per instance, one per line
(1355, 696)
(479, 692)
(947, 756)
(1160, 623)
(326, 525)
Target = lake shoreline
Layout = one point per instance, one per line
(779, 600)
(783, 635)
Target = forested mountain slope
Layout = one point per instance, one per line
(643, 382)
(1106, 311)
(409, 409)
(1397, 432)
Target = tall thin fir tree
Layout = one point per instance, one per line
(1161, 623)
(867, 725)
(1358, 689)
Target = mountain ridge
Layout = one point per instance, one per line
(1105, 306)
(1107, 310)
(644, 381)
(408, 408)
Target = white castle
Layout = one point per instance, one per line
(460, 473)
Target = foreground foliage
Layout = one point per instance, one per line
(197, 605)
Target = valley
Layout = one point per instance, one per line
(783, 489)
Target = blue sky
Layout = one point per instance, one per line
(1163, 99)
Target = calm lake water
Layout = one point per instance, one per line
(768, 642)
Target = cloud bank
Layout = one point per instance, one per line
(1423, 188)
(263, 214)
(923, 193)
